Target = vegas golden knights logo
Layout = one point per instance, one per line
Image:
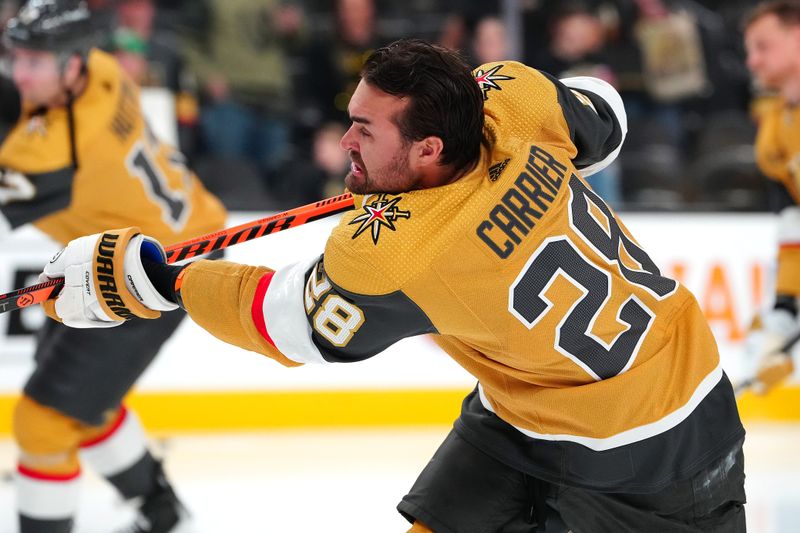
(381, 212)
(488, 80)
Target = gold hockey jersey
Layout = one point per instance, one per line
(593, 368)
(778, 144)
(119, 175)
(778, 156)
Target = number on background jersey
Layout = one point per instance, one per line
(142, 164)
(595, 224)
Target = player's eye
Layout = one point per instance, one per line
(364, 132)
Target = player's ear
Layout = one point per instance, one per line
(72, 69)
(428, 150)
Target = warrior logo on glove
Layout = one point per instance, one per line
(104, 275)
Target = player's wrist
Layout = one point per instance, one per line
(139, 283)
(164, 279)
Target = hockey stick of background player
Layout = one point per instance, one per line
(782, 368)
(219, 240)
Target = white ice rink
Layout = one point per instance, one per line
(302, 482)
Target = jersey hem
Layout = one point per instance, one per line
(632, 435)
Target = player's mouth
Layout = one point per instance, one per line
(356, 168)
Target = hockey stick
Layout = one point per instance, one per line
(784, 350)
(219, 240)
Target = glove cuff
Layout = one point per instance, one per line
(110, 278)
(142, 249)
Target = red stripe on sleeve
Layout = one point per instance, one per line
(257, 310)
(43, 476)
(123, 413)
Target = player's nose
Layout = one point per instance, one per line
(347, 142)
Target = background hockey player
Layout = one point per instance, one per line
(601, 404)
(81, 159)
(772, 40)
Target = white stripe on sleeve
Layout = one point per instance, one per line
(285, 315)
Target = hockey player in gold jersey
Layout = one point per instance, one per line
(600, 406)
(79, 159)
(772, 40)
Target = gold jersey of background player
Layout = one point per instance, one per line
(76, 172)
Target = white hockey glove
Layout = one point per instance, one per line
(14, 187)
(763, 347)
(104, 280)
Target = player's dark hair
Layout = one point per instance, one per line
(787, 11)
(445, 101)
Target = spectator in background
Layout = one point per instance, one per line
(325, 76)
(156, 60)
(241, 66)
(320, 177)
(130, 50)
(672, 52)
(454, 33)
(490, 42)
(151, 55)
(577, 47)
(335, 59)
(7, 10)
(458, 31)
(333, 162)
(355, 39)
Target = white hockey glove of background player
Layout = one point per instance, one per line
(768, 364)
(14, 187)
(104, 280)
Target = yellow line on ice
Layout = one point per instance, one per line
(171, 412)
(229, 411)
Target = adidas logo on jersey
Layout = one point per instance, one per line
(497, 169)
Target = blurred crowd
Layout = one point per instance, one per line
(261, 86)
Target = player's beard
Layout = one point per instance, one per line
(394, 177)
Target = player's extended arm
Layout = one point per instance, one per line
(220, 296)
(120, 274)
(294, 315)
